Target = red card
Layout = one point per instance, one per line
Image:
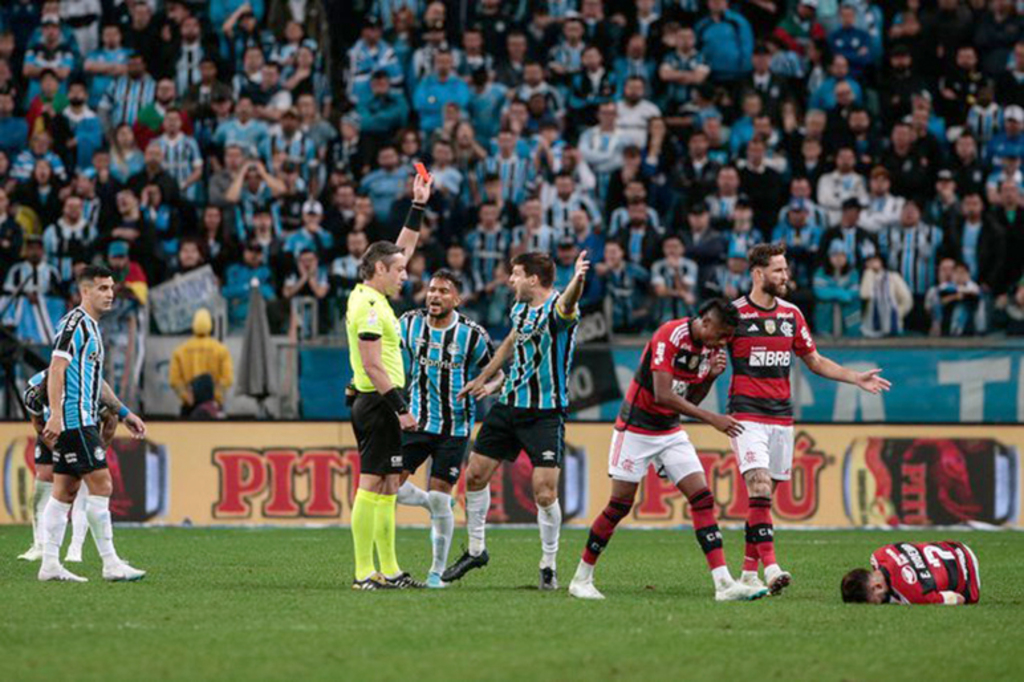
(422, 170)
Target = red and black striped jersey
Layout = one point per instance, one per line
(919, 573)
(762, 351)
(672, 349)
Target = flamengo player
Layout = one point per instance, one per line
(921, 573)
(770, 331)
(676, 371)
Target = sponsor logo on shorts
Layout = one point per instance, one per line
(396, 460)
(626, 465)
(749, 457)
(762, 357)
(454, 472)
(548, 455)
(100, 453)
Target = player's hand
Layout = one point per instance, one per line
(52, 429)
(719, 362)
(421, 189)
(408, 422)
(872, 382)
(135, 426)
(582, 265)
(476, 388)
(727, 425)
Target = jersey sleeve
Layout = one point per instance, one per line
(664, 349)
(368, 323)
(563, 321)
(803, 343)
(483, 351)
(64, 346)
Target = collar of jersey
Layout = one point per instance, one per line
(455, 321)
(370, 291)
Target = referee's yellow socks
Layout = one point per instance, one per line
(384, 535)
(364, 519)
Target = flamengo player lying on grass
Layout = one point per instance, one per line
(924, 573)
(676, 371)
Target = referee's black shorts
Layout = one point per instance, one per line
(378, 435)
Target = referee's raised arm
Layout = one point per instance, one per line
(409, 237)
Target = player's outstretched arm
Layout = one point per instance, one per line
(409, 237)
(570, 298)
(666, 397)
(478, 386)
(870, 381)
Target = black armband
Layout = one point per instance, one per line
(414, 220)
(397, 402)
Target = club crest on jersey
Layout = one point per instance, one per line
(909, 576)
(769, 326)
(454, 348)
(786, 328)
(694, 361)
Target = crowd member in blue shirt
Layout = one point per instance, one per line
(626, 284)
(852, 42)
(726, 42)
(105, 64)
(387, 182)
(382, 111)
(438, 90)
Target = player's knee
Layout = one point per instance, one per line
(759, 483)
(545, 497)
(102, 486)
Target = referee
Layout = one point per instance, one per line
(379, 410)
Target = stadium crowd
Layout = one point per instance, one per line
(273, 141)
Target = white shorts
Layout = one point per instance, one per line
(765, 446)
(672, 454)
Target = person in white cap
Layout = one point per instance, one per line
(311, 235)
(1009, 142)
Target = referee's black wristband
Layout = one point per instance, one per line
(414, 220)
(397, 402)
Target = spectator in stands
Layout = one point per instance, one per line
(882, 210)
(858, 243)
(126, 159)
(443, 86)
(673, 281)
(913, 250)
(731, 280)
(841, 184)
(308, 280)
(726, 42)
(198, 362)
(837, 294)
(888, 300)
(385, 184)
(981, 246)
(626, 285)
(240, 277)
(704, 244)
(33, 277)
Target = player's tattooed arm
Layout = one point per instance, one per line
(477, 387)
(109, 398)
(870, 381)
(665, 396)
(570, 298)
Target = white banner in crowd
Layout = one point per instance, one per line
(174, 302)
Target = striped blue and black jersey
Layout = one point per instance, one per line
(80, 343)
(541, 358)
(440, 362)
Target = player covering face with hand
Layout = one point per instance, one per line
(676, 372)
(916, 573)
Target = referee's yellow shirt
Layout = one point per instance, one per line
(369, 314)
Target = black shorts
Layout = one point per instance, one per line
(508, 430)
(378, 435)
(447, 453)
(79, 452)
(44, 455)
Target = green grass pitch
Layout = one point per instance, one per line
(276, 604)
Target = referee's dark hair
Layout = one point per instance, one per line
(378, 252)
(450, 276)
(726, 313)
(539, 264)
(93, 272)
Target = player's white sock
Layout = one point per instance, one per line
(442, 522)
(748, 575)
(411, 495)
(549, 520)
(55, 522)
(40, 496)
(721, 576)
(79, 522)
(97, 510)
(478, 503)
(584, 572)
